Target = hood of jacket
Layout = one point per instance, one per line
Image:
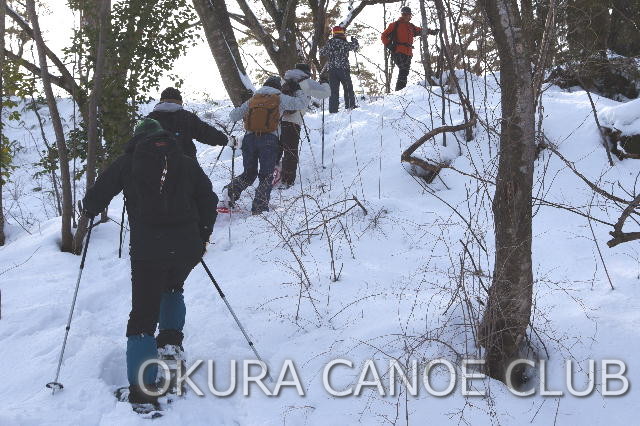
(296, 75)
(167, 107)
(267, 90)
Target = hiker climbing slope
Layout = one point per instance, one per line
(292, 120)
(185, 125)
(337, 53)
(398, 38)
(171, 209)
(260, 145)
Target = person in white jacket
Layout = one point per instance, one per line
(260, 146)
(292, 120)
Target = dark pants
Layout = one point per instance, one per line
(289, 139)
(404, 64)
(257, 150)
(337, 77)
(156, 295)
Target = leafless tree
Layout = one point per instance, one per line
(508, 311)
(104, 22)
(67, 208)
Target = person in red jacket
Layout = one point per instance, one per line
(398, 38)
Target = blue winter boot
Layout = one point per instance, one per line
(172, 314)
(141, 348)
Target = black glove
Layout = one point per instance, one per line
(354, 40)
(84, 211)
(323, 79)
(434, 31)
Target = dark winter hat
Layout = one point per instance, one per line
(305, 68)
(147, 126)
(406, 10)
(171, 93)
(273, 81)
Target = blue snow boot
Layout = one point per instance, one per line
(172, 314)
(141, 348)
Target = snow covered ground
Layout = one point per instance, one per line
(407, 287)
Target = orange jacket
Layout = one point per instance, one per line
(403, 36)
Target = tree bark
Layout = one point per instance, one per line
(508, 310)
(66, 243)
(3, 8)
(93, 142)
(283, 50)
(215, 21)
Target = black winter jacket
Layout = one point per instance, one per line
(161, 240)
(186, 126)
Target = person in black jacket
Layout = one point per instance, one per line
(184, 124)
(172, 210)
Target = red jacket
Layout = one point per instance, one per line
(403, 33)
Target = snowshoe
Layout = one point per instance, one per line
(173, 356)
(226, 205)
(146, 406)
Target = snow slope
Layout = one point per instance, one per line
(402, 292)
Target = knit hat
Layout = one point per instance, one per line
(273, 81)
(406, 10)
(338, 31)
(171, 93)
(147, 126)
(305, 68)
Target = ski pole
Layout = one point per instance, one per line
(233, 192)
(124, 205)
(56, 384)
(362, 97)
(233, 314)
(222, 150)
(323, 134)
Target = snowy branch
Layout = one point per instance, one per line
(359, 8)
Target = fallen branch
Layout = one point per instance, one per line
(407, 156)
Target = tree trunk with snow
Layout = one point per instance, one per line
(214, 17)
(66, 243)
(93, 142)
(3, 8)
(508, 310)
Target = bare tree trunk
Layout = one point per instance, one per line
(3, 9)
(67, 208)
(508, 309)
(426, 57)
(104, 21)
(214, 17)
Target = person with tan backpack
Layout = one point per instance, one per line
(260, 145)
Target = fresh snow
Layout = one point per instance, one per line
(399, 293)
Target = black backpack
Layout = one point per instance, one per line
(391, 46)
(158, 177)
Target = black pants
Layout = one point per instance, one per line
(149, 280)
(337, 77)
(289, 139)
(404, 65)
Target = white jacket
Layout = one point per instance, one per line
(297, 102)
(310, 88)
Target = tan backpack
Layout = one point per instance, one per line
(264, 114)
